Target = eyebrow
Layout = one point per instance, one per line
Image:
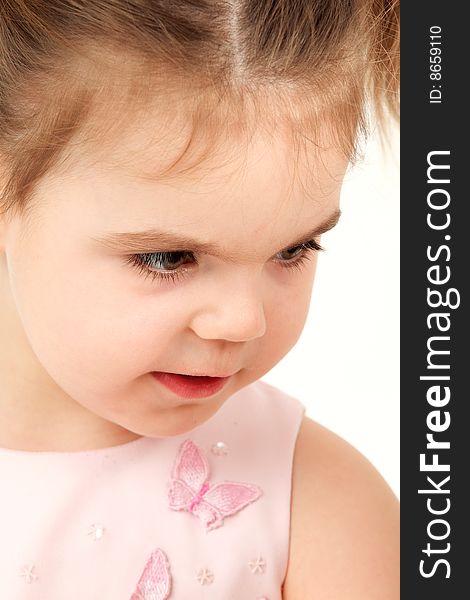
(154, 240)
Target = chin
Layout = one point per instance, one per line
(183, 419)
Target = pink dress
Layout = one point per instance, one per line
(203, 515)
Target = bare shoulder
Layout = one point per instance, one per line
(344, 539)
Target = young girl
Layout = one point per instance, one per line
(167, 170)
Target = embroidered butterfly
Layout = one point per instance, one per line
(155, 581)
(190, 490)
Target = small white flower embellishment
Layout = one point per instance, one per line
(28, 573)
(205, 576)
(96, 531)
(258, 565)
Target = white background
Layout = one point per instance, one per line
(345, 366)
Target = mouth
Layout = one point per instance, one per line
(191, 386)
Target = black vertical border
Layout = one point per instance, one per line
(427, 127)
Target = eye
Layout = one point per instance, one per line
(168, 261)
(171, 265)
(163, 265)
(290, 253)
(297, 256)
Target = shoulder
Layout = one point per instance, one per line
(344, 535)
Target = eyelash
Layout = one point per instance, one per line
(142, 262)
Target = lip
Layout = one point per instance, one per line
(191, 386)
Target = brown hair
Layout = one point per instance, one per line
(67, 65)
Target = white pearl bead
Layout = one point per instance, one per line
(219, 449)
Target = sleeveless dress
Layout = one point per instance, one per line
(204, 515)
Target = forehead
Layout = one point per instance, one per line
(199, 134)
(240, 174)
(233, 185)
(270, 156)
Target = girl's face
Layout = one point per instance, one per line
(97, 325)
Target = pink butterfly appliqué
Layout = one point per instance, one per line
(155, 581)
(190, 490)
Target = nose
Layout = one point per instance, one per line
(232, 310)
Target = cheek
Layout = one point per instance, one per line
(87, 330)
(288, 311)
